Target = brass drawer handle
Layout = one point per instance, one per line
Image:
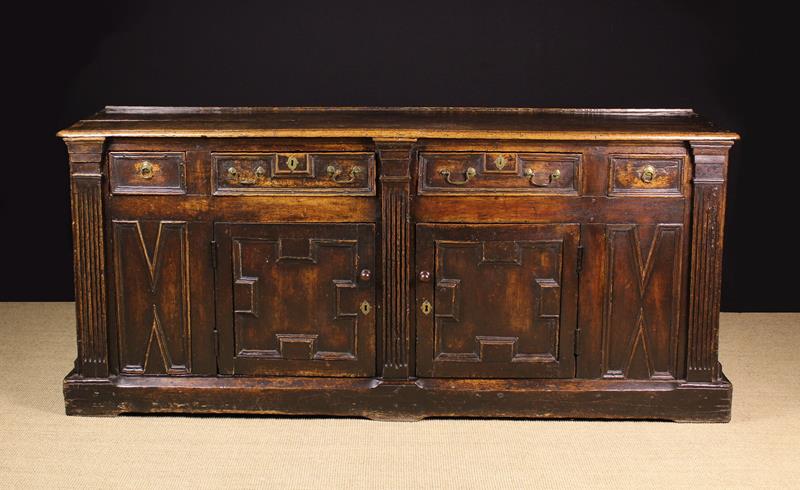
(334, 172)
(531, 176)
(233, 174)
(470, 173)
(648, 173)
(146, 170)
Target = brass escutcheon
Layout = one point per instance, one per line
(648, 173)
(365, 307)
(426, 307)
(500, 162)
(292, 163)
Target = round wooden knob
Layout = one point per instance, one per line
(424, 276)
(365, 275)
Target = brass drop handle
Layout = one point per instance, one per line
(334, 172)
(470, 173)
(648, 173)
(260, 172)
(146, 170)
(531, 176)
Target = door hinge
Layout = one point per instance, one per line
(215, 335)
(577, 346)
(579, 265)
(213, 254)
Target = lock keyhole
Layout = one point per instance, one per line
(426, 307)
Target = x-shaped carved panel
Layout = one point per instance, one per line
(152, 293)
(640, 332)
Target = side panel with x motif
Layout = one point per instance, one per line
(641, 323)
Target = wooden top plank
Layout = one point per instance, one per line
(398, 123)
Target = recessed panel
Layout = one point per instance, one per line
(498, 300)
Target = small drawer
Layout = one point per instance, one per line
(147, 173)
(294, 173)
(499, 173)
(645, 175)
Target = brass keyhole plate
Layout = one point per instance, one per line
(426, 307)
(365, 307)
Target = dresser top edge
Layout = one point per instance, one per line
(398, 123)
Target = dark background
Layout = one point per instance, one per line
(70, 60)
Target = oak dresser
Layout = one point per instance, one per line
(398, 263)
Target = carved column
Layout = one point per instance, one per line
(395, 157)
(708, 217)
(86, 177)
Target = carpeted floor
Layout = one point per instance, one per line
(41, 447)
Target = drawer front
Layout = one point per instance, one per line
(294, 173)
(147, 173)
(645, 175)
(499, 173)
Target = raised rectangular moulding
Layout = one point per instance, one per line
(147, 172)
(350, 174)
(498, 173)
(646, 175)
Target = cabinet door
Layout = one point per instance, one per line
(496, 301)
(296, 299)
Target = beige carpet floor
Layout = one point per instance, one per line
(41, 447)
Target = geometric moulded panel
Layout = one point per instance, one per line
(502, 299)
(294, 302)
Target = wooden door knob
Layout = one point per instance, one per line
(424, 276)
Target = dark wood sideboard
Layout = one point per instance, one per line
(398, 263)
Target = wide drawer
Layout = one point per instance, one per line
(499, 173)
(347, 173)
